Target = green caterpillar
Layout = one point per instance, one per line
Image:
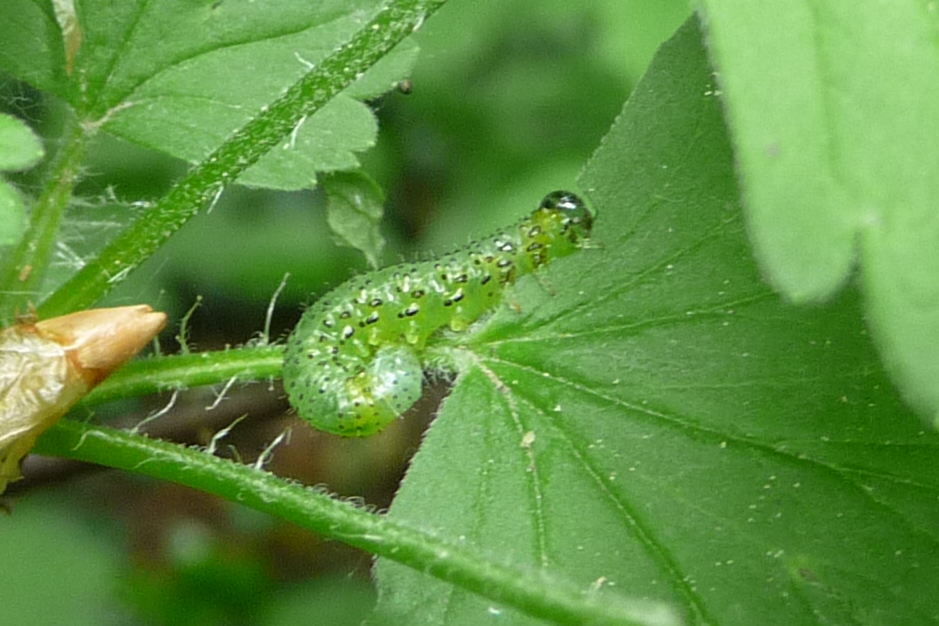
(352, 364)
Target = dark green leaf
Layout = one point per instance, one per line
(32, 46)
(655, 422)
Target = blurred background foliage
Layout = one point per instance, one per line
(507, 101)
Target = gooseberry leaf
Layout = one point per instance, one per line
(20, 149)
(834, 108)
(650, 419)
(180, 76)
(12, 214)
(355, 206)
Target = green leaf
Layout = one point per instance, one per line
(354, 211)
(834, 108)
(32, 46)
(181, 77)
(188, 74)
(12, 215)
(270, 125)
(657, 423)
(20, 148)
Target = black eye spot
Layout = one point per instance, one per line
(347, 332)
(371, 319)
(376, 302)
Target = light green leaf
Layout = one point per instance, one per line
(658, 423)
(12, 215)
(180, 77)
(354, 211)
(20, 148)
(271, 125)
(227, 62)
(834, 108)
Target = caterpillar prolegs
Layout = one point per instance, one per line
(353, 363)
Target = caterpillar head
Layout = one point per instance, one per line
(575, 217)
(559, 226)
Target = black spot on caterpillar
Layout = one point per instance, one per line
(352, 364)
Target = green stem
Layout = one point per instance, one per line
(147, 376)
(25, 265)
(205, 182)
(533, 593)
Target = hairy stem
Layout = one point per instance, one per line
(24, 266)
(205, 182)
(532, 592)
(189, 370)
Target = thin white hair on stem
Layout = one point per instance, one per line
(221, 434)
(309, 66)
(215, 199)
(268, 452)
(221, 394)
(183, 336)
(67, 257)
(158, 414)
(295, 132)
(265, 338)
